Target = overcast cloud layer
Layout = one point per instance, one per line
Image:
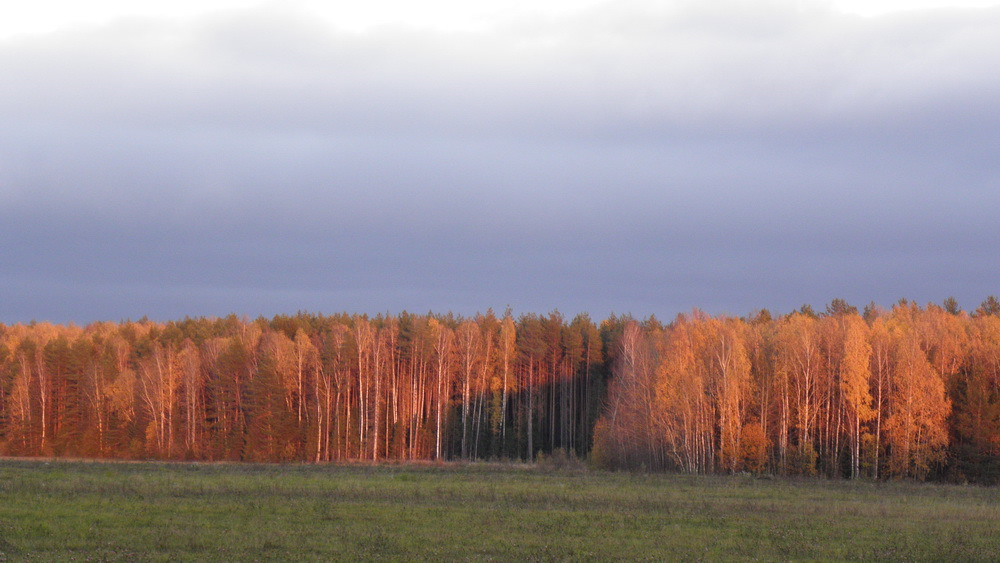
(638, 157)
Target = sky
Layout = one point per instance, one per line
(627, 156)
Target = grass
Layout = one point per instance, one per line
(160, 511)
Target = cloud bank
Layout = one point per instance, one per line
(636, 156)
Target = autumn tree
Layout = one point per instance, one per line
(728, 368)
(975, 421)
(682, 398)
(469, 342)
(917, 435)
(507, 383)
(853, 380)
(444, 342)
(628, 433)
(799, 361)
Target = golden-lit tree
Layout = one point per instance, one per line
(800, 361)
(854, 378)
(444, 349)
(728, 368)
(919, 407)
(682, 399)
(469, 343)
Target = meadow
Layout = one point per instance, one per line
(61, 510)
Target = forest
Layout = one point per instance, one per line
(905, 392)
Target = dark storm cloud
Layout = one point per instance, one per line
(638, 157)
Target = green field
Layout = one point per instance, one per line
(164, 511)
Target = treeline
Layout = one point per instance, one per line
(908, 392)
(305, 387)
(911, 391)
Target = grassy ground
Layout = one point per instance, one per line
(154, 511)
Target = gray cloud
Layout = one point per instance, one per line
(640, 157)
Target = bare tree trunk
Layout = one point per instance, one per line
(531, 411)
